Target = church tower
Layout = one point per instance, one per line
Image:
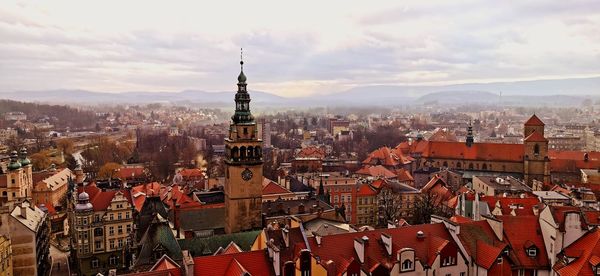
(536, 165)
(243, 166)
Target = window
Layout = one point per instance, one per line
(85, 221)
(120, 243)
(407, 265)
(499, 259)
(112, 216)
(112, 260)
(462, 274)
(111, 231)
(95, 263)
(120, 229)
(532, 252)
(112, 244)
(119, 216)
(98, 245)
(128, 228)
(127, 215)
(536, 150)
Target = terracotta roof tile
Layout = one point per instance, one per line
(376, 171)
(254, 262)
(271, 188)
(534, 121)
(585, 251)
(525, 230)
(535, 137)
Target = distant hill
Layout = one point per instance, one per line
(557, 92)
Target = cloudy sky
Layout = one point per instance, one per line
(292, 48)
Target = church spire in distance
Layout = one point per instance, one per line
(242, 98)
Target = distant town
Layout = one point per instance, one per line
(429, 189)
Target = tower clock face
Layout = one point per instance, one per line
(246, 174)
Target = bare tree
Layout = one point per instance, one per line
(427, 204)
(390, 205)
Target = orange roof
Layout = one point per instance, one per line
(404, 175)
(535, 137)
(366, 190)
(438, 187)
(164, 263)
(191, 173)
(340, 248)
(534, 121)
(477, 151)
(522, 232)
(573, 161)
(585, 253)
(522, 206)
(101, 199)
(376, 171)
(253, 262)
(130, 172)
(311, 152)
(387, 157)
(272, 188)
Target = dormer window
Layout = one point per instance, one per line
(407, 265)
(448, 261)
(532, 252)
(499, 259)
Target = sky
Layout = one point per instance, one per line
(292, 48)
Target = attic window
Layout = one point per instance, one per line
(532, 252)
(499, 259)
(407, 265)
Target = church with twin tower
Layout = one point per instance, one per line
(243, 166)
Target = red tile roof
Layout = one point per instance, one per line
(585, 253)
(477, 151)
(366, 190)
(340, 248)
(191, 173)
(130, 172)
(404, 175)
(480, 241)
(522, 232)
(521, 206)
(573, 161)
(376, 171)
(534, 121)
(535, 137)
(272, 188)
(101, 199)
(311, 152)
(254, 262)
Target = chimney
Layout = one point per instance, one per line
(286, 236)
(188, 263)
(420, 235)
(387, 243)
(330, 266)
(24, 211)
(317, 238)
(359, 248)
(289, 268)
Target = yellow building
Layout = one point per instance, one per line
(52, 186)
(5, 256)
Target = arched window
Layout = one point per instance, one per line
(250, 152)
(458, 165)
(407, 265)
(243, 153)
(536, 150)
(235, 154)
(484, 167)
(445, 164)
(257, 152)
(470, 166)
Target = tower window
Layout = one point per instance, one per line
(245, 130)
(536, 150)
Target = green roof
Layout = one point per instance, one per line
(209, 245)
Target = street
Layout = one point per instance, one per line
(60, 264)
